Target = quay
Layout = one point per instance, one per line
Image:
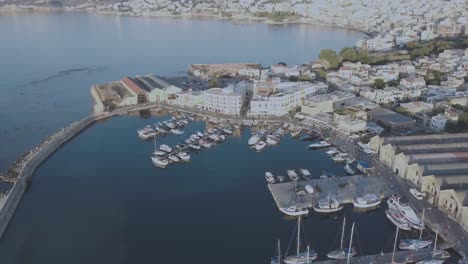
(342, 188)
(399, 257)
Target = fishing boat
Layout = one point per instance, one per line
(177, 131)
(269, 177)
(397, 219)
(294, 210)
(305, 173)
(184, 156)
(165, 148)
(296, 132)
(405, 210)
(173, 158)
(162, 163)
(328, 205)
(348, 169)
(253, 140)
(321, 144)
(292, 175)
(305, 257)
(367, 201)
(343, 253)
(280, 178)
(194, 146)
(260, 145)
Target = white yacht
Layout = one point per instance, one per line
(269, 177)
(328, 205)
(183, 156)
(296, 132)
(367, 201)
(173, 158)
(165, 148)
(204, 143)
(271, 141)
(405, 210)
(397, 219)
(414, 244)
(159, 153)
(253, 140)
(332, 151)
(194, 147)
(162, 163)
(260, 145)
(321, 144)
(200, 134)
(305, 173)
(294, 211)
(227, 131)
(177, 131)
(292, 175)
(214, 138)
(349, 170)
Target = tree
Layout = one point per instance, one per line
(322, 74)
(330, 56)
(379, 84)
(401, 110)
(393, 83)
(458, 106)
(213, 83)
(348, 54)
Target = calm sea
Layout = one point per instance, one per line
(49, 61)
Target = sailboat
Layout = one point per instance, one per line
(435, 253)
(343, 253)
(394, 246)
(415, 244)
(277, 259)
(300, 257)
(159, 162)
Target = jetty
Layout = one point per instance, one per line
(342, 188)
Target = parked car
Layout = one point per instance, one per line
(417, 194)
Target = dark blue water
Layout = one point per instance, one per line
(100, 200)
(39, 93)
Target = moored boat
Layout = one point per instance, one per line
(305, 173)
(269, 177)
(294, 210)
(414, 244)
(367, 201)
(253, 140)
(321, 144)
(292, 175)
(328, 205)
(183, 156)
(162, 163)
(405, 210)
(280, 178)
(165, 148)
(173, 158)
(348, 169)
(397, 219)
(260, 145)
(194, 146)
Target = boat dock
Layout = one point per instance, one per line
(399, 257)
(342, 188)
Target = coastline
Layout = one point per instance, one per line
(12, 9)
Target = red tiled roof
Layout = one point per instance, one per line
(132, 86)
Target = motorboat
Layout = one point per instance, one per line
(194, 147)
(292, 175)
(348, 169)
(146, 133)
(405, 210)
(173, 158)
(222, 137)
(177, 131)
(296, 132)
(183, 156)
(214, 138)
(280, 178)
(260, 145)
(253, 140)
(204, 143)
(332, 151)
(159, 153)
(295, 211)
(227, 131)
(321, 144)
(162, 163)
(414, 244)
(271, 141)
(340, 157)
(367, 201)
(200, 134)
(309, 189)
(305, 173)
(397, 219)
(165, 148)
(269, 177)
(328, 205)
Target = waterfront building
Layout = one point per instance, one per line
(436, 164)
(189, 98)
(323, 103)
(227, 100)
(390, 119)
(416, 107)
(140, 95)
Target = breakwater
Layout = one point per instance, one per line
(24, 168)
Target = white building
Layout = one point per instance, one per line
(438, 122)
(227, 100)
(413, 83)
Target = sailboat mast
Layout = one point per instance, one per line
(394, 244)
(298, 235)
(350, 244)
(308, 254)
(279, 251)
(435, 243)
(421, 232)
(342, 232)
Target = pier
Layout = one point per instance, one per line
(342, 188)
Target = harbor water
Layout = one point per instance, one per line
(99, 199)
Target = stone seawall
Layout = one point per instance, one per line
(19, 188)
